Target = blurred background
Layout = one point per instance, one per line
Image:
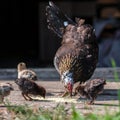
(25, 37)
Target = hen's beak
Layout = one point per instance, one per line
(70, 88)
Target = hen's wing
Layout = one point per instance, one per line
(73, 58)
(56, 19)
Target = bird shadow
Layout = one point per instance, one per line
(42, 100)
(49, 94)
(110, 105)
(109, 94)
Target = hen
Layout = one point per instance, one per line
(29, 87)
(23, 72)
(5, 89)
(90, 89)
(76, 58)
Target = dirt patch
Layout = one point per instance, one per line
(107, 100)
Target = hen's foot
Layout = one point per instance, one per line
(64, 94)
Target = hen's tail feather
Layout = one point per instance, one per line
(56, 19)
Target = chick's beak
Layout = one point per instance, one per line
(70, 88)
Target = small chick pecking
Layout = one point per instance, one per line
(90, 89)
(23, 72)
(5, 89)
(29, 87)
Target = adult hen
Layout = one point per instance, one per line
(29, 87)
(5, 89)
(24, 72)
(90, 89)
(77, 56)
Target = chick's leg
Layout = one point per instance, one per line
(25, 96)
(29, 97)
(91, 102)
(92, 99)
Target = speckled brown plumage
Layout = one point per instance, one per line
(29, 87)
(76, 58)
(90, 89)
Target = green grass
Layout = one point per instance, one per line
(116, 77)
(24, 112)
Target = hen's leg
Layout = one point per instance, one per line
(76, 90)
(64, 94)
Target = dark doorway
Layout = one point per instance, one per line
(49, 42)
(24, 33)
(19, 33)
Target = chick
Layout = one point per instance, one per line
(23, 72)
(29, 87)
(90, 89)
(5, 89)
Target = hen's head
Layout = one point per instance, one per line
(67, 78)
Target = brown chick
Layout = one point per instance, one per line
(29, 87)
(77, 57)
(90, 89)
(23, 72)
(5, 89)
